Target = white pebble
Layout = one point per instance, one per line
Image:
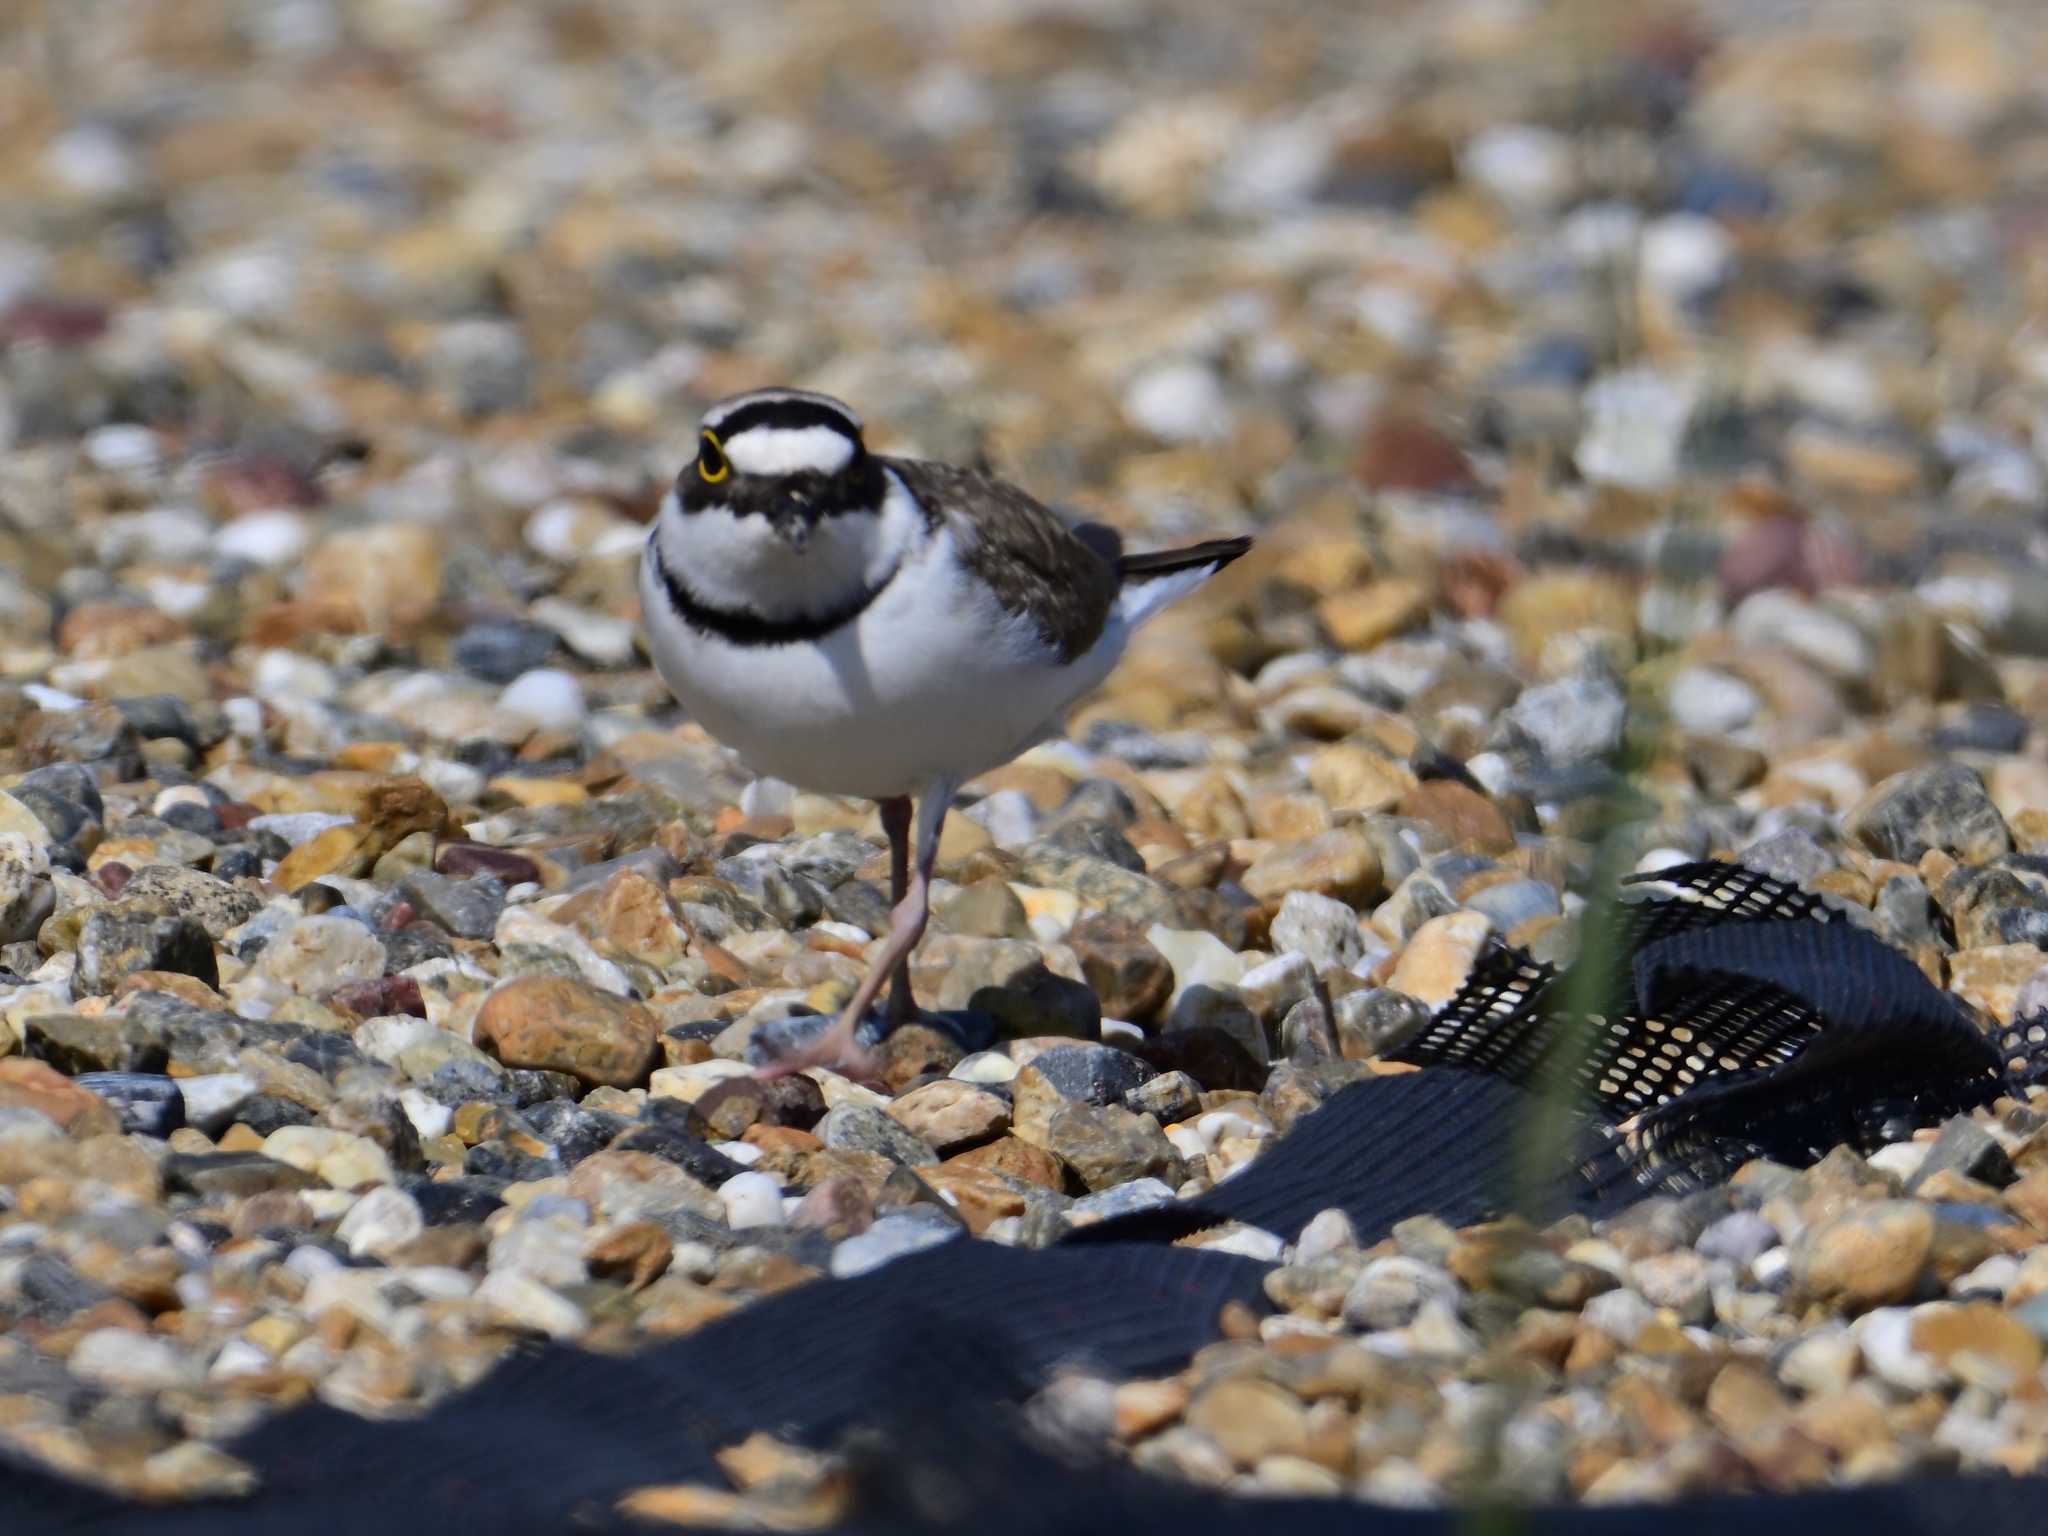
(1328, 1232)
(1528, 168)
(126, 1361)
(1179, 403)
(548, 696)
(269, 539)
(984, 1067)
(751, 1200)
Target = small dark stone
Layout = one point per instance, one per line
(1965, 1147)
(1994, 906)
(1792, 855)
(1984, 728)
(187, 817)
(1905, 912)
(536, 1085)
(1091, 1073)
(1101, 801)
(500, 1160)
(455, 1083)
(1211, 1057)
(469, 909)
(1132, 979)
(685, 1148)
(66, 820)
(459, 1201)
(728, 1108)
(414, 944)
(793, 901)
(266, 1112)
(67, 781)
(1169, 1097)
(1942, 805)
(861, 1128)
(236, 1175)
(861, 903)
(238, 861)
(1097, 839)
(159, 717)
(114, 945)
(498, 650)
(1308, 1032)
(53, 1290)
(148, 1104)
(460, 861)
(381, 998)
(326, 1051)
(574, 1132)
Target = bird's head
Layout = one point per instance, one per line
(790, 456)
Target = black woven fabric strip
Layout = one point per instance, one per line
(1447, 1143)
(554, 1436)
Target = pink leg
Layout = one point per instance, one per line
(896, 822)
(836, 1047)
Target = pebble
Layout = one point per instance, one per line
(550, 698)
(751, 1200)
(890, 1238)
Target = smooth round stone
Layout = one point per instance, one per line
(1514, 902)
(1710, 702)
(298, 827)
(381, 1220)
(1180, 402)
(502, 650)
(985, 1067)
(549, 697)
(751, 1200)
(1249, 1243)
(1328, 1233)
(148, 1104)
(1741, 1237)
(270, 539)
(1124, 1200)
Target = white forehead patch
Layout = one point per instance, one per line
(786, 450)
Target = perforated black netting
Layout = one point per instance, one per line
(1728, 1015)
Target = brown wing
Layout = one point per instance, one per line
(1026, 553)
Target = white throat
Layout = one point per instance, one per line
(741, 564)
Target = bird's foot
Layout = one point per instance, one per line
(835, 1049)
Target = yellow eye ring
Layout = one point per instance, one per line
(712, 453)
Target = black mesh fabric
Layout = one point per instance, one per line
(1728, 1016)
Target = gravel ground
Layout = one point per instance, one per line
(1647, 394)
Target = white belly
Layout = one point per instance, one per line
(933, 679)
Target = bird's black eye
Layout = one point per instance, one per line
(712, 464)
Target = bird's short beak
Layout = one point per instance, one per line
(793, 522)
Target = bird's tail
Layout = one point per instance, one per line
(1151, 581)
(1214, 554)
